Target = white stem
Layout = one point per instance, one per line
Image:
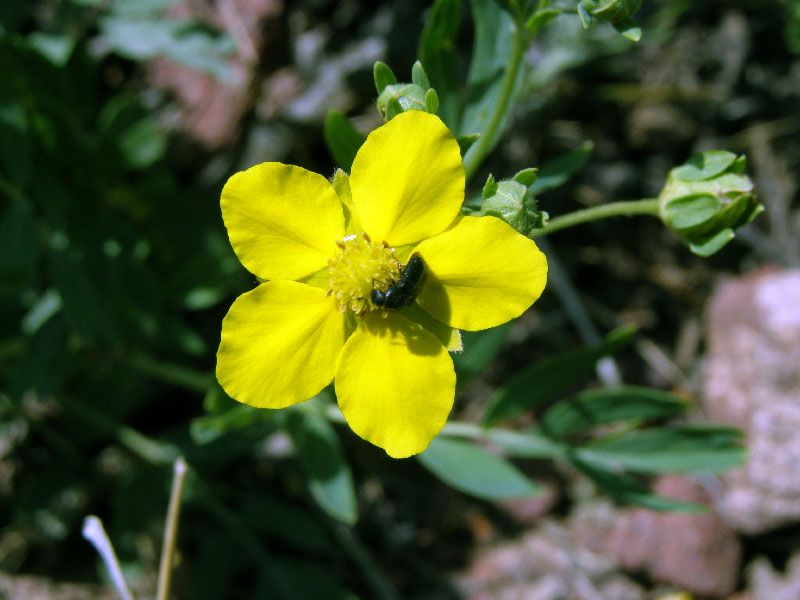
(94, 532)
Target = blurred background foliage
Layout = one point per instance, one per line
(119, 123)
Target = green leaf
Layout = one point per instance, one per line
(539, 384)
(670, 450)
(627, 490)
(491, 49)
(526, 443)
(608, 405)
(437, 51)
(209, 428)
(475, 471)
(55, 48)
(19, 244)
(342, 138)
(383, 76)
(15, 150)
(691, 210)
(704, 165)
(195, 46)
(320, 452)
(558, 171)
(44, 364)
(142, 144)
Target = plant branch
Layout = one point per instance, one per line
(627, 208)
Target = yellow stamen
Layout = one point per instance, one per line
(361, 266)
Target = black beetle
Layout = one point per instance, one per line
(406, 289)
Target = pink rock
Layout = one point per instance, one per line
(753, 382)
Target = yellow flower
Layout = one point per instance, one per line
(321, 249)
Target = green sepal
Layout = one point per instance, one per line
(512, 202)
(383, 76)
(431, 101)
(629, 29)
(393, 108)
(465, 141)
(584, 16)
(490, 188)
(526, 177)
(419, 76)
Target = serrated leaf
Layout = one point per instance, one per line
(539, 384)
(320, 453)
(608, 405)
(627, 490)
(557, 172)
(437, 52)
(670, 450)
(383, 76)
(475, 471)
(342, 139)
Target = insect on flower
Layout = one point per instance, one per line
(407, 288)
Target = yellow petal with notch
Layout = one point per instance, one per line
(407, 179)
(481, 273)
(395, 384)
(279, 344)
(283, 221)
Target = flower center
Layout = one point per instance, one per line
(359, 267)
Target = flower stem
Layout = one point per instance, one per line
(171, 529)
(627, 208)
(485, 143)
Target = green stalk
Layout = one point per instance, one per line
(627, 208)
(485, 143)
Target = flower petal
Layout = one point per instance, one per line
(283, 221)
(408, 179)
(481, 273)
(395, 383)
(279, 344)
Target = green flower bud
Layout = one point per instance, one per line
(394, 97)
(707, 198)
(616, 12)
(511, 201)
